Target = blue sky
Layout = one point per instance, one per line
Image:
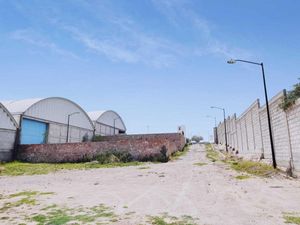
(159, 63)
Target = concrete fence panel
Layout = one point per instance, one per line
(249, 133)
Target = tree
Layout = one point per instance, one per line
(197, 138)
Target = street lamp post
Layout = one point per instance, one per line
(225, 129)
(232, 61)
(68, 127)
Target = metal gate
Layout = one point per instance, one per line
(33, 132)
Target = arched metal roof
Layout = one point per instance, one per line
(20, 106)
(28, 107)
(99, 116)
(11, 124)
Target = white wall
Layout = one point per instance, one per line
(249, 133)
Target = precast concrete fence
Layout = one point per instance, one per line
(248, 134)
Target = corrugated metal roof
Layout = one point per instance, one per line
(20, 106)
(50, 109)
(94, 115)
(15, 124)
(99, 116)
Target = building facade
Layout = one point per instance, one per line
(107, 123)
(50, 120)
(8, 130)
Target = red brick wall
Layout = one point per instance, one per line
(140, 147)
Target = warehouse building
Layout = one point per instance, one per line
(8, 129)
(107, 123)
(50, 120)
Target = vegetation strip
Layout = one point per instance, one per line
(240, 165)
(293, 218)
(200, 164)
(165, 219)
(19, 168)
(242, 177)
(177, 155)
(251, 167)
(23, 198)
(211, 154)
(52, 214)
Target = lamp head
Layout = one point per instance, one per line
(231, 61)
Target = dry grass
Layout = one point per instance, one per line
(177, 155)
(19, 168)
(211, 154)
(254, 168)
(240, 165)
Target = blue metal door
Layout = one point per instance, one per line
(33, 132)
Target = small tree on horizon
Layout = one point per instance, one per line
(197, 138)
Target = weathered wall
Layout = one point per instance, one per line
(8, 129)
(249, 134)
(7, 140)
(293, 118)
(141, 147)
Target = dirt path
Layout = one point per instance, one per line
(209, 192)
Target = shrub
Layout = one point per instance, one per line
(114, 156)
(291, 97)
(85, 138)
(97, 138)
(162, 156)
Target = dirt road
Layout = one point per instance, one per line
(207, 193)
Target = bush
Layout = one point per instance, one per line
(97, 138)
(162, 156)
(114, 156)
(85, 138)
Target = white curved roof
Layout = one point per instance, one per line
(55, 109)
(6, 119)
(20, 106)
(108, 117)
(95, 115)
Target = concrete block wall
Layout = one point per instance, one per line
(280, 132)
(293, 118)
(249, 133)
(141, 147)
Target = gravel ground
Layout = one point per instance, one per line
(209, 192)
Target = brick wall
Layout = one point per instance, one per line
(140, 147)
(249, 132)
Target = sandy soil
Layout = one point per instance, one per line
(210, 192)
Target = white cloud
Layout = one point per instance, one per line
(32, 37)
(180, 13)
(132, 47)
(112, 32)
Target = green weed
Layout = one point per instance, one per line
(165, 219)
(251, 167)
(19, 168)
(177, 155)
(211, 154)
(293, 218)
(242, 177)
(200, 164)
